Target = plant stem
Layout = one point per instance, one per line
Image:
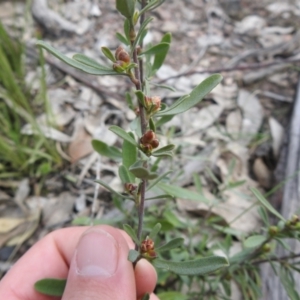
(138, 72)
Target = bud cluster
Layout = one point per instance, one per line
(148, 142)
(123, 59)
(152, 104)
(293, 222)
(130, 188)
(147, 248)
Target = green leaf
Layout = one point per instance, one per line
(157, 180)
(141, 97)
(197, 94)
(160, 57)
(163, 154)
(254, 241)
(51, 286)
(129, 101)
(129, 154)
(108, 54)
(164, 86)
(197, 183)
(264, 216)
(179, 192)
(287, 280)
(152, 125)
(122, 39)
(266, 204)
(155, 230)
(105, 150)
(175, 243)
(171, 296)
(199, 266)
(124, 174)
(164, 149)
(126, 7)
(96, 69)
(163, 120)
(141, 31)
(129, 230)
(133, 255)
(161, 47)
(123, 134)
(111, 190)
(241, 256)
(146, 297)
(151, 5)
(127, 30)
(89, 61)
(142, 173)
(165, 196)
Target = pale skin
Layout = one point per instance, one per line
(53, 257)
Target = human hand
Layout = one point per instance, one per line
(93, 259)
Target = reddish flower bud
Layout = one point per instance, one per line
(155, 143)
(118, 50)
(147, 249)
(148, 137)
(156, 101)
(122, 55)
(130, 187)
(152, 104)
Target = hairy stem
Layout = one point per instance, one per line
(138, 72)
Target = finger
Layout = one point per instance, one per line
(145, 277)
(100, 269)
(49, 257)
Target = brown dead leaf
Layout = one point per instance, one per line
(15, 231)
(81, 145)
(262, 173)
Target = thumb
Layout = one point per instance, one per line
(99, 268)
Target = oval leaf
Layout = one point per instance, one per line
(126, 7)
(105, 150)
(172, 296)
(165, 196)
(111, 190)
(199, 266)
(122, 134)
(157, 180)
(197, 94)
(133, 255)
(122, 39)
(164, 149)
(129, 230)
(266, 204)
(160, 57)
(179, 192)
(124, 174)
(143, 173)
(51, 286)
(161, 47)
(89, 61)
(254, 241)
(129, 156)
(146, 297)
(94, 70)
(175, 243)
(155, 231)
(108, 54)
